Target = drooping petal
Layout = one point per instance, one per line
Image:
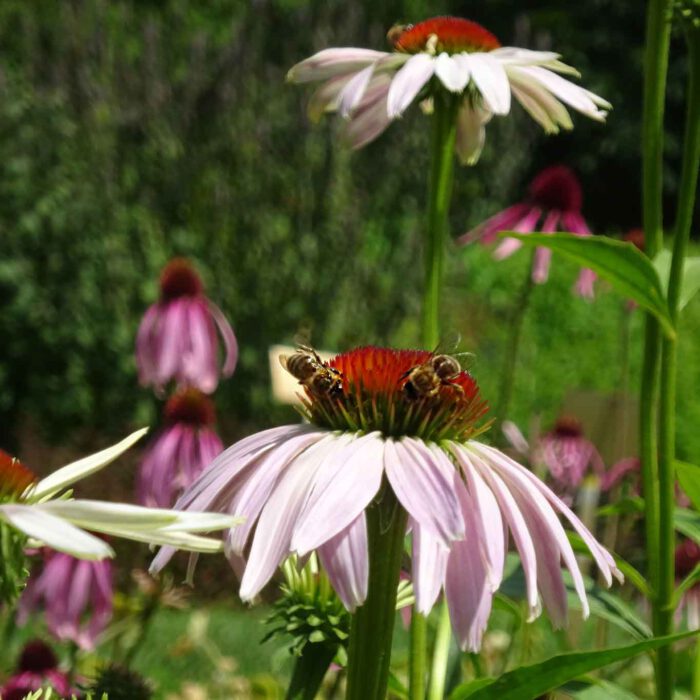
(332, 62)
(346, 561)
(452, 72)
(341, 490)
(543, 256)
(429, 565)
(144, 345)
(525, 225)
(229, 338)
(353, 91)
(271, 542)
(503, 221)
(471, 133)
(371, 118)
(491, 80)
(408, 82)
(515, 437)
(424, 483)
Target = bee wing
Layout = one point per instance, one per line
(466, 359)
(448, 343)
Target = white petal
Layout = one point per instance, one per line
(515, 56)
(452, 71)
(408, 82)
(54, 532)
(428, 567)
(332, 62)
(65, 476)
(354, 91)
(370, 119)
(490, 78)
(164, 538)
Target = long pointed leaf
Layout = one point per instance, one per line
(529, 682)
(627, 269)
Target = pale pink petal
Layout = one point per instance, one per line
(227, 335)
(274, 530)
(342, 488)
(408, 82)
(424, 483)
(370, 119)
(171, 343)
(491, 80)
(145, 360)
(198, 365)
(585, 284)
(515, 437)
(353, 91)
(345, 559)
(428, 567)
(331, 62)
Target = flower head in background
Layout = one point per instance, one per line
(178, 340)
(76, 596)
(553, 204)
(443, 56)
(43, 513)
(178, 455)
(37, 669)
(395, 417)
(687, 558)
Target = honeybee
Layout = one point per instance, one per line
(313, 373)
(394, 34)
(425, 380)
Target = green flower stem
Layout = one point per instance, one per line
(664, 608)
(309, 670)
(417, 656)
(655, 69)
(372, 625)
(441, 652)
(439, 195)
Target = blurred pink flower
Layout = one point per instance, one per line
(553, 204)
(621, 470)
(37, 669)
(449, 55)
(76, 595)
(181, 451)
(306, 487)
(177, 338)
(687, 558)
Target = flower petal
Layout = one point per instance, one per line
(471, 133)
(332, 62)
(345, 559)
(452, 71)
(429, 565)
(408, 82)
(491, 79)
(424, 482)
(353, 91)
(229, 338)
(341, 489)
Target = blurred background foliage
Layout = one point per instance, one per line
(133, 131)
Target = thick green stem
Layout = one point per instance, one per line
(517, 319)
(441, 653)
(417, 656)
(309, 671)
(439, 195)
(663, 617)
(372, 626)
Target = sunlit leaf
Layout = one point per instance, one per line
(689, 479)
(627, 269)
(687, 522)
(528, 682)
(691, 275)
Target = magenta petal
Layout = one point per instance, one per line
(503, 221)
(341, 490)
(428, 570)
(346, 561)
(230, 342)
(424, 483)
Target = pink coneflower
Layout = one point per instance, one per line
(76, 596)
(687, 558)
(178, 455)
(446, 57)
(306, 487)
(567, 453)
(627, 468)
(553, 204)
(177, 338)
(37, 669)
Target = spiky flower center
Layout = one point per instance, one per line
(687, 557)
(557, 187)
(179, 279)
(568, 427)
(190, 406)
(14, 477)
(445, 34)
(38, 657)
(399, 392)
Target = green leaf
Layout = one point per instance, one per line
(527, 682)
(687, 522)
(603, 690)
(689, 479)
(627, 269)
(396, 688)
(691, 275)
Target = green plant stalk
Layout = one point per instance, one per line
(655, 69)
(439, 195)
(372, 626)
(417, 655)
(309, 671)
(664, 607)
(441, 653)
